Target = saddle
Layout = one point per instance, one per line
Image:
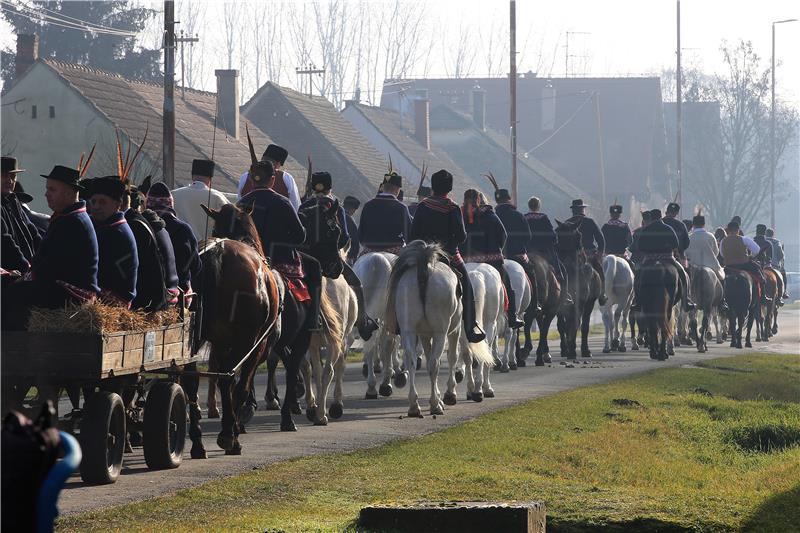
(298, 288)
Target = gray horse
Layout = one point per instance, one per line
(707, 293)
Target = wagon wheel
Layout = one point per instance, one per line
(164, 426)
(102, 438)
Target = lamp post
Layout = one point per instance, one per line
(772, 130)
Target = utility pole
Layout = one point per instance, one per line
(596, 98)
(309, 71)
(191, 41)
(679, 111)
(168, 153)
(512, 85)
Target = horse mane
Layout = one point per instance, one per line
(417, 254)
(251, 236)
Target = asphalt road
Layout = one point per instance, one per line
(368, 423)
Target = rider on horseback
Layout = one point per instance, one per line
(385, 221)
(486, 238)
(321, 183)
(739, 252)
(671, 219)
(593, 242)
(438, 219)
(616, 232)
(543, 241)
(778, 259)
(703, 251)
(768, 254)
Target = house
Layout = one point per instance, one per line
(563, 122)
(408, 143)
(311, 125)
(55, 111)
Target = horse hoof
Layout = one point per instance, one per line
(242, 429)
(606, 350)
(720, 341)
(225, 441)
(635, 347)
(198, 452)
(236, 450)
(246, 413)
(622, 348)
(273, 405)
(400, 379)
(128, 447)
(477, 397)
(546, 358)
(670, 352)
(213, 412)
(459, 375)
(701, 350)
(437, 410)
(586, 355)
(488, 393)
(310, 413)
(386, 390)
(748, 344)
(336, 411)
(371, 396)
(504, 368)
(521, 363)
(323, 422)
(775, 330)
(288, 425)
(414, 412)
(449, 398)
(614, 345)
(539, 361)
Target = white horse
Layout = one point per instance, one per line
(487, 287)
(424, 302)
(374, 269)
(327, 353)
(619, 290)
(522, 289)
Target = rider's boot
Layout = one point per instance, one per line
(473, 332)
(366, 326)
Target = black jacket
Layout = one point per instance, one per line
(485, 234)
(20, 238)
(385, 223)
(69, 250)
(767, 252)
(617, 235)
(680, 231)
(657, 238)
(352, 230)
(165, 250)
(438, 219)
(519, 233)
(543, 236)
(591, 237)
(151, 292)
(184, 244)
(278, 226)
(119, 261)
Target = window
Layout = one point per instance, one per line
(33, 111)
(52, 111)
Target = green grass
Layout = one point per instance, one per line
(705, 449)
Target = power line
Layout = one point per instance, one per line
(561, 127)
(30, 13)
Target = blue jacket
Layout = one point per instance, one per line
(385, 223)
(485, 234)
(519, 233)
(151, 294)
(617, 235)
(119, 260)
(680, 231)
(69, 250)
(657, 238)
(278, 226)
(184, 244)
(543, 236)
(438, 219)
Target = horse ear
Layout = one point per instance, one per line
(210, 212)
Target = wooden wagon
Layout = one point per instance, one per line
(116, 373)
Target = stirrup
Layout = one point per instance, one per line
(474, 336)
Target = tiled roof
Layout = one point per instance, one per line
(312, 125)
(133, 105)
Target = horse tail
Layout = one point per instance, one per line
(333, 320)
(609, 272)
(416, 254)
(667, 324)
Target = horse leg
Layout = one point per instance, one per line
(469, 374)
(292, 361)
(750, 320)
(587, 312)
(608, 327)
(226, 437)
(543, 350)
(454, 347)
(632, 322)
(271, 396)
(324, 383)
(370, 349)
(618, 340)
(528, 318)
(191, 386)
(211, 401)
(433, 353)
(409, 342)
(314, 382)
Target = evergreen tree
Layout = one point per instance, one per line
(113, 53)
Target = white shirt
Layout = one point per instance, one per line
(187, 202)
(703, 250)
(751, 245)
(288, 180)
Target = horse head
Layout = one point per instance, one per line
(321, 222)
(232, 222)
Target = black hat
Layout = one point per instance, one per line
(761, 229)
(393, 178)
(733, 225)
(655, 214)
(672, 207)
(261, 172)
(615, 209)
(203, 167)
(110, 186)
(578, 204)
(502, 195)
(67, 175)
(424, 191)
(10, 165)
(22, 196)
(687, 222)
(737, 219)
(350, 202)
(275, 153)
(321, 181)
(441, 181)
(698, 220)
(646, 217)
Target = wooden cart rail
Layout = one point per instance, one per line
(69, 357)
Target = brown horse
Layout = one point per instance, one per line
(240, 307)
(548, 293)
(766, 317)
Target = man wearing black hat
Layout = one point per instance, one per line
(39, 220)
(284, 182)
(593, 242)
(766, 254)
(351, 205)
(321, 184)
(616, 232)
(423, 191)
(385, 221)
(64, 268)
(20, 237)
(119, 260)
(671, 220)
(543, 242)
(637, 256)
(438, 219)
(189, 199)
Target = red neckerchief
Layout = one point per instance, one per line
(442, 204)
(616, 222)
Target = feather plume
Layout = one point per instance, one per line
(391, 169)
(129, 164)
(120, 167)
(492, 180)
(253, 158)
(423, 174)
(84, 167)
(80, 161)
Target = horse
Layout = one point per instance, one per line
(619, 290)
(584, 284)
(522, 288)
(487, 286)
(706, 292)
(658, 292)
(740, 293)
(241, 303)
(765, 317)
(424, 302)
(548, 292)
(374, 269)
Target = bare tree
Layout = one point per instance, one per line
(494, 41)
(334, 29)
(459, 57)
(193, 22)
(231, 18)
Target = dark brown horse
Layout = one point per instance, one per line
(548, 292)
(585, 286)
(766, 316)
(742, 297)
(658, 291)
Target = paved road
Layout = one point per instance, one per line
(368, 423)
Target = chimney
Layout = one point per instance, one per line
(27, 53)
(228, 101)
(479, 107)
(422, 122)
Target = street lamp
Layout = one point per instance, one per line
(772, 129)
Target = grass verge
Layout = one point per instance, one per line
(711, 448)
